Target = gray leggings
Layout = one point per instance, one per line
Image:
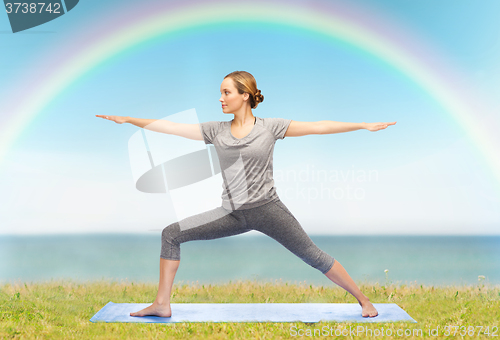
(272, 219)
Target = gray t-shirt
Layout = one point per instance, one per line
(246, 163)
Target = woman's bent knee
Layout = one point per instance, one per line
(170, 232)
(170, 248)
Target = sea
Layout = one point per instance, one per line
(394, 259)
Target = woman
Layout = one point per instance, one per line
(249, 198)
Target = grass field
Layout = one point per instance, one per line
(62, 309)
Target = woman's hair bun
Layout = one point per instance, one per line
(259, 98)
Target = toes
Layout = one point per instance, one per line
(369, 314)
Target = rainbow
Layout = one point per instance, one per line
(127, 32)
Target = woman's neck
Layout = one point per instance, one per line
(248, 119)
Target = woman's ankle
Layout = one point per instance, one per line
(162, 302)
(364, 299)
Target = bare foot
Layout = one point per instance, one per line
(368, 310)
(155, 309)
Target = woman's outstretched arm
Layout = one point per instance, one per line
(190, 131)
(323, 127)
(329, 126)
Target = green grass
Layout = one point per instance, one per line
(62, 309)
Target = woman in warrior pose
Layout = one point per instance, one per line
(249, 198)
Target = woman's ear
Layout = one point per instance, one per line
(246, 95)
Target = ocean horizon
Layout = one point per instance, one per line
(429, 260)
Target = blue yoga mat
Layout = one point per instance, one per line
(253, 312)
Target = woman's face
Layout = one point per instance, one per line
(230, 99)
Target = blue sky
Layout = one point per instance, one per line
(70, 171)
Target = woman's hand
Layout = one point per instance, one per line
(377, 126)
(116, 119)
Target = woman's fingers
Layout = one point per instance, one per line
(116, 119)
(105, 117)
(385, 125)
(379, 126)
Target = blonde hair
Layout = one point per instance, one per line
(245, 83)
